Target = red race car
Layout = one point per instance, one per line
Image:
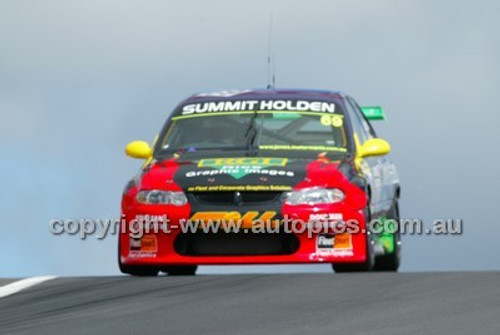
(261, 177)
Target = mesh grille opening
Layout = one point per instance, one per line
(235, 197)
(235, 244)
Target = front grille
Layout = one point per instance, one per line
(235, 244)
(240, 198)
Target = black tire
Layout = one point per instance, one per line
(139, 271)
(391, 262)
(180, 270)
(359, 267)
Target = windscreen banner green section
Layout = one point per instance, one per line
(373, 113)
(286, 115)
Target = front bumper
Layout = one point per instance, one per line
(160, 248)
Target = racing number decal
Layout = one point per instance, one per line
(332, 120)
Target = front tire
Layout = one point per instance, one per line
(180, 270)
(139, 271)
(391, 261)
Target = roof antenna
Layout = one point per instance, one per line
(271, 62)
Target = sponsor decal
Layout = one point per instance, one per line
(334, 245)
(286, 116)
(342, 242)
(149, 221)
(142, 218)
(146, 246)
(149, 243)
(135, 244)
(238, 172)
(324, 245)
(247, 219)
(243, 161)
(138, 254)
(240, 167)
(325, 242)
(233, 188)
(258, 105)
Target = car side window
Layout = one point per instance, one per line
(356, 123)
(365, 123)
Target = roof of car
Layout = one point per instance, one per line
(265, 94)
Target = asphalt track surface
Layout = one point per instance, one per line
(5, 281)
(373, 303)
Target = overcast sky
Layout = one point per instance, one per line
(79, 79)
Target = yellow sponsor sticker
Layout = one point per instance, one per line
(149, 244)
(342, 241)
(243, 161)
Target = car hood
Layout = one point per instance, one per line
(242, 174)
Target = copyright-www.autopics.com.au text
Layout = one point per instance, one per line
(224, 223)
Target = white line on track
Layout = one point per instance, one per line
(22, 284)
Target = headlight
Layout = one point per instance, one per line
(314, 196)
(158, 197)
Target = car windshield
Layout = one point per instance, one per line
(270, 130)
